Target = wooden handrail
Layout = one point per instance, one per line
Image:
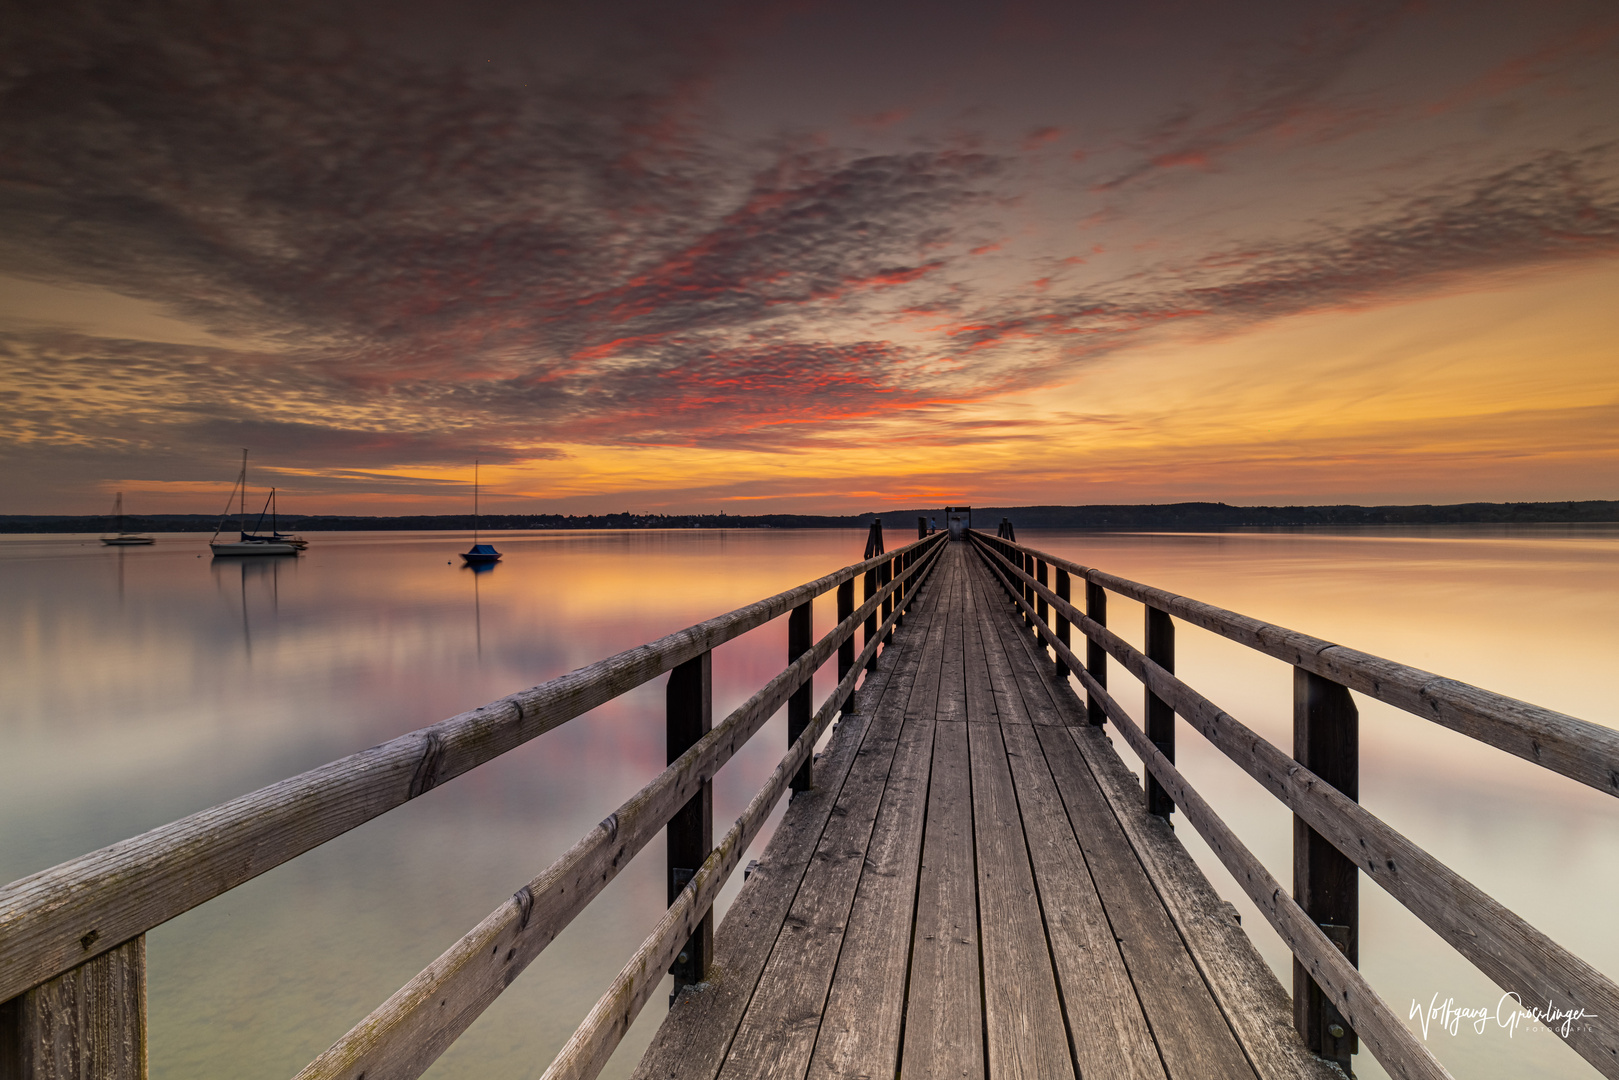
(1578, 749)
(594, 1041)
(1515, 955)
(58, 918)
(404, 1035)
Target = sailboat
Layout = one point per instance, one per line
(123, 539)
(254, 543)
(480, 554)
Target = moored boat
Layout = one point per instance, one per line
(273, 542)
(121, 537)
(479, 554)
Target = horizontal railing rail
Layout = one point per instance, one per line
(404, 1035)
(1514, 954)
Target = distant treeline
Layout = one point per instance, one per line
(1161, 517)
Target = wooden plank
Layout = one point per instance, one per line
(587, 1051)
(694, 1038)
(1254, 1003)
(1111, 1035)
(1396, 1048)
(778, 1029)
(944, 1016)
(121, 891)
(87, 1022)
(1025, 1031)
(860, 1028)
(1193, 1038)
(952, 703)
(980, 700)
(1009, 705)
(1026, 661)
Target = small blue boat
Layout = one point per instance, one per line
(481, 554)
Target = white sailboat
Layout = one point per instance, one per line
(253, 543)
(123, 539)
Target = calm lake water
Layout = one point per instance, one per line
(145, 684)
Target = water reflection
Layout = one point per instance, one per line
(145, 688)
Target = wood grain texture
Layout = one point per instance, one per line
(944, 1035)
(1026, 1034)
(123, 890)
(1396, 1048)
(778, 1031)
(695, 1037)
(87, 1022)
(1110, 1032)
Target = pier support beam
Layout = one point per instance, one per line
(690, 716)
(1326, 740)
(87, 1022)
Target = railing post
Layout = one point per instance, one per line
(1326, 740)
(1095, 655)
(885, 574)
(689, 702)
(846, 650)
(89, 1021)
(1063, 631)
(800, 707)
(1160, 716)
(1040, 608)
(869, 631)
(902, 563)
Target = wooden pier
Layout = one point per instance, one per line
(967, 881)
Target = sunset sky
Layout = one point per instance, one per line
(807, 256)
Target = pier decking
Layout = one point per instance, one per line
(965, 893)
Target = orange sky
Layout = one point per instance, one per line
(817, 259)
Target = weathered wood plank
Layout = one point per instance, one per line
(1255, 1004)
(1193, 1038)
(944, 1018)
(58, 918)
(860, 1028)
(952, 703)
(778, 1029)
(694, 1039)
(1025, 1030)
(87, 1022)
(1009, 706)
(980, 701)
(1395, 1047)
(1111, 1035)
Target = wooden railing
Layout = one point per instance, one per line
(1334, 837)
(72, 938)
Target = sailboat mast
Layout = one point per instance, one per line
(474, 503)
(243, 482)
(118, 512)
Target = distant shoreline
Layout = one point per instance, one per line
(1164, 517)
